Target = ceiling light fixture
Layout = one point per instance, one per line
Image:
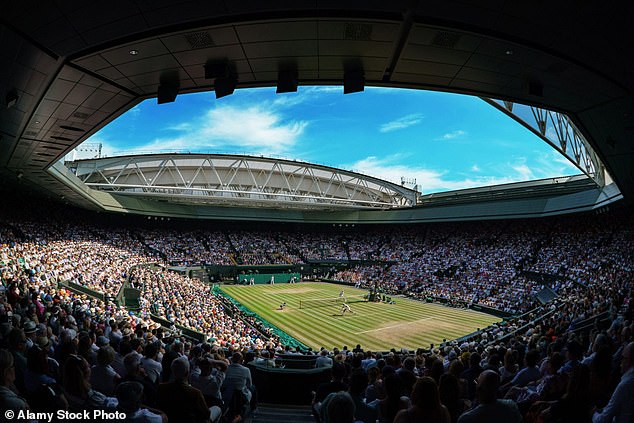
(509, 52)
(11, 99)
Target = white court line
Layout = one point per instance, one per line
(400, 324)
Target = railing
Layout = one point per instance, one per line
(82, 290)
(522, 328)
(188, 333)
(590, 321)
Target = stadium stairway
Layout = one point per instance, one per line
(270, 413)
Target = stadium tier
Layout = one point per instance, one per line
(103, 291)
(214, 287)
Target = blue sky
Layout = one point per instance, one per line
(444, 141)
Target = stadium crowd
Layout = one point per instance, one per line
(261, 248)
(183, 247)
(544, 366)
(190, 303)
(64, 350)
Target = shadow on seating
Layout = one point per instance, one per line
(287, 386)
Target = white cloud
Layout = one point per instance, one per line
(453, 135)
(183, 126)
(429, 180)
(557, 163)
(135, 111)
(255, 130)
(562, 160)
(303, 94)
(401, 123)
(288, 100)
(324, 89)
(547, 165)
(523, 171)
(475, 168)
(252, 127)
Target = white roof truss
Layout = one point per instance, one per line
(240, 180)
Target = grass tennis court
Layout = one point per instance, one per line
(376, 326)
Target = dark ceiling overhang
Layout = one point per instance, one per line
(73, 68)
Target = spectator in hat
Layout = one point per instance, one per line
(102, 341)
(45, 344)
(30, 329)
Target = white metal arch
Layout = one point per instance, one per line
(240, 180)
(558, 130)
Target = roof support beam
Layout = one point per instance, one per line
(241, 178)
(558, 130)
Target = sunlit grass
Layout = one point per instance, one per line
(376, 326)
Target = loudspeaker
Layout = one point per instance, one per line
(166, 93)
(286, 82)
(215, 70)
(225, 86)
(353, 82)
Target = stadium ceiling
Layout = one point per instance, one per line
(240, 180)
(71, 67)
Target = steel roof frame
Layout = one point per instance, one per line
(220, 178)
